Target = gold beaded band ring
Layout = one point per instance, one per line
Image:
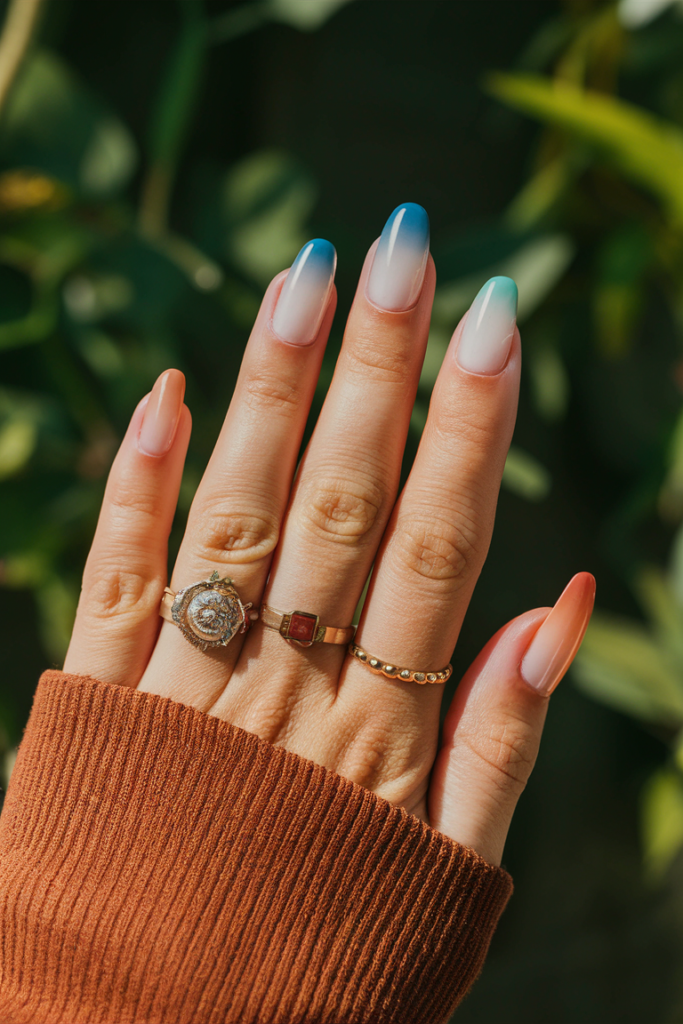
(408, 675)
(304, 629)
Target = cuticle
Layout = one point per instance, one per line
(395, 312)
(291, 344)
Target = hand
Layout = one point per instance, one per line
(308, 539)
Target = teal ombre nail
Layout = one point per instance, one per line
(488, 331)
(304, 294)
(398, 268)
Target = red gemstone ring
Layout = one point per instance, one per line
(304, 629)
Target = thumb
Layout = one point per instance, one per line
(493, 728)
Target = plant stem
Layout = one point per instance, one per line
(20, 24)
(173, 111)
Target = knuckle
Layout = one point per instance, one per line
(110, 592)
(507, 751)
(384, 362)
(342, 511)
(437, 549)
(374, 756)
(266, 391)
(363, 759)
(449, 422)
(233, 537)
(130, 502)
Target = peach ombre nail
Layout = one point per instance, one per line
(160, 420)
(554, 646)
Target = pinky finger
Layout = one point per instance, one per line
(493, 728)
(117, 621)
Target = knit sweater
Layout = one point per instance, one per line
(160, 865)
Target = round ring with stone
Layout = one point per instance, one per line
(390, 671)
(209, 613)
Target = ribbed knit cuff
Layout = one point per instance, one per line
(160, 865)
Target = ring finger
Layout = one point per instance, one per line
(234, 522)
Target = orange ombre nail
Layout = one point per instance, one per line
(559, 637)
(162, 413)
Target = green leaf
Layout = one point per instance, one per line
(541, 193)
(525, 476)
(624, 257)
(109, 158)
(53, 123)
(647, 150)
(437, 346)
(536, 267)
(658, 599)
(267, 199)
(550, 382)
(621, 664)
(57, 601)
(36, 325)
(637, 13)
(17, 443)
(306, 15)
(662, 821)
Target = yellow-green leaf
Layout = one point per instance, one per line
(646, 149)
(621, 664)
(17, 443)
(525, 476)
(662, 821)
(306, 15)
(660, 602)
(550, 382)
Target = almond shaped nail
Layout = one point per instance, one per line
(487, 333)
(162, 413)
(559, 637)
(303, 299)
(400, 261)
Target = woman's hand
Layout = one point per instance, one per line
(308, 539)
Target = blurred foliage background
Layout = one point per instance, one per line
(161, 160)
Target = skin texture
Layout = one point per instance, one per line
(310, 541)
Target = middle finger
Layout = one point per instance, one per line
(349, 476)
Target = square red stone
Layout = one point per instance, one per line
(302, 627)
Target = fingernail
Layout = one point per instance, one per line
(398, 268)
(162, 413)
(303, 299)
(554, 646)
(489, 328)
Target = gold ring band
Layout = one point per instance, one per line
(407, 675)
(304, 629)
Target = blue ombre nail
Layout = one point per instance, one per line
(400, 261)
(303, 299)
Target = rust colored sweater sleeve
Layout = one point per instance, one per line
(160, 865)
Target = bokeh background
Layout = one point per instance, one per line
(160, 161)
